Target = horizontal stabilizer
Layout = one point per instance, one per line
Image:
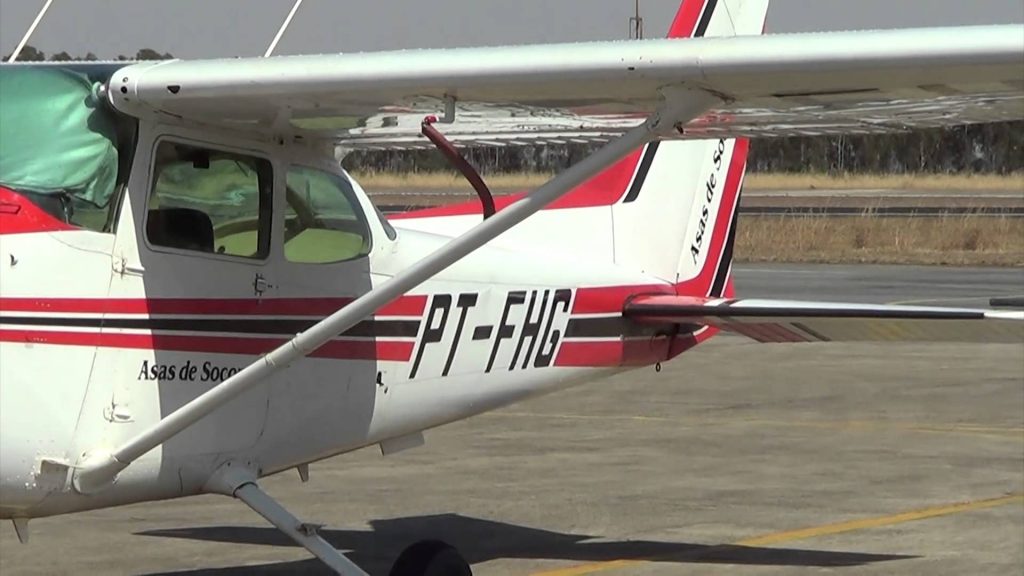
(803, 321)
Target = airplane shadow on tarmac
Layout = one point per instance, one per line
(482, 540)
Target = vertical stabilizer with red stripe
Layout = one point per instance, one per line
(666, 210)
(677, 219)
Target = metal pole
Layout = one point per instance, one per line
(97, 472)
(284, 26)
(28, 33)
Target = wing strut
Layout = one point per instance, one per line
(99, 469)
(284, 26)
(28, 33)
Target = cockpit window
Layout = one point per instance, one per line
(210, 201)
(59, 141)
(323, 221)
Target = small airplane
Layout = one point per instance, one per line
(194, 295)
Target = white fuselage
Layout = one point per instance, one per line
(104, 334)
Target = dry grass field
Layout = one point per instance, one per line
(966, 182)
(441, 180)
(955, 240)
(963, 182)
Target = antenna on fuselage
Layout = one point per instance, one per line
(284, 26)
(28, 33)
(636, 24)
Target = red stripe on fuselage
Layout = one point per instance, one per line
(335, 349)
(626, 352)
(403, 306)
(610, 353)
(686, 19)
(604, 189)
(612, 299)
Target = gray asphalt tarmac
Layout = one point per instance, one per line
(738, 458)
(879, 284)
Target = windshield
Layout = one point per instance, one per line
(59, 141)
(323, 221)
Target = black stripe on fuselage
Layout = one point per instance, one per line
(275, 326)
(619, 327)
(722, 274)
(705, 19)
(641, 172)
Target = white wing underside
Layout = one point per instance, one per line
(775, 85)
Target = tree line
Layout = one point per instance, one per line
(996, 148)
(32, 54)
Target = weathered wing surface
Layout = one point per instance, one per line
(774, 85)
(801, 321)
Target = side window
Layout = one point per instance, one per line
(323, 220)
(210, 201)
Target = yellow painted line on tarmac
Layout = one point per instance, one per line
(879, 521)
(804, 533)
(590, 568)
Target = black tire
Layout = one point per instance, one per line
(430, 558)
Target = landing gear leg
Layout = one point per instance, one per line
(425, 558)
(240, 482)
(305, 534)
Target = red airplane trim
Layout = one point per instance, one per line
(604, 189)
(589, 300)
(611, 299)
(403, 306)
(623, 352)
(686, 19)
(18, 215)
(399, 351)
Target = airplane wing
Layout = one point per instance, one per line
(774, 85)
(802, 321)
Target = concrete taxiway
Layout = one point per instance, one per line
(738, 458)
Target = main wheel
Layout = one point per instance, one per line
(430, 558)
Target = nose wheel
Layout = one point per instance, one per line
(430, 558)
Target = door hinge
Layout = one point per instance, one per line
(121, 267)
(117, 413)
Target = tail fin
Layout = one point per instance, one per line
(672, 204)
(677, 221)
(698, 18)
